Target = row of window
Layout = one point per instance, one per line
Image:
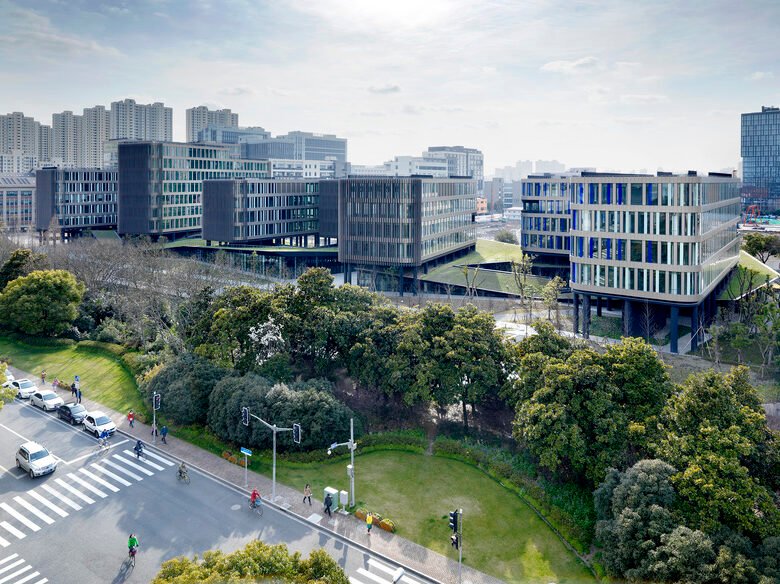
(261, 230)
(653, 222)
(443, 224)
(545, 224)
(278, 201)
(87, 220)
(636, 250)
(75, 210)
(552, 243)
(380, 210)
(378, 250)
(637, 279)
(87, 187)
(275, 215)
(447, 242)
(381, 229)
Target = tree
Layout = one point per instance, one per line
(43, 303)
(507, 236)
(761, 245)
(550, 294)
(7, 394)
(20, 263)
(739, 339)
(717, 334)
(256, 562)
(685, 555)
(767, 326)
(521, 270)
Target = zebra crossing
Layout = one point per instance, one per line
(380, 573)
(16, 570)
(66, 493)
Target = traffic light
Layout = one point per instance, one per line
(455, 541)
(156, 401)
(245, 416)
(297, 433)
(454, 521)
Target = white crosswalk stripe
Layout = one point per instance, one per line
(145, 460)
(61, 497)
(75, 492)
(39, 514)
(133, 465)
(111, 475)
(123, 470)
(30, 577)
(98, 480)
(162, 459)
(4, 542)
(77, 479)
(15, 574)
(19, 517)
(12, 530)
(8, 559)
(11, 566)
(44, 501)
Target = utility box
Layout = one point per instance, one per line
(334, 494)
(343, 499)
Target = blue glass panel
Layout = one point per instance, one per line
(574, 273)
(608, 193)
(649, 251)
(591, 246)
(609, 249)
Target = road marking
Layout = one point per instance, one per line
(123, 470)
(15, 574)
(11, 566)
(32, 509)
(30, 577)
(62, 497)
(160, 458)
(133, 465)
(12, 530)
(13, 474)
(145, 461)
(76, 492)
(42, 581)
(4, 542)
(314, 518)
(92, 452)
(8, 559)
(86, 485)
(98, 480)
(372, 577)
(48, 503)
(14, 432)
(18, 516)
(108, 473)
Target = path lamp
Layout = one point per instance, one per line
(351, 445)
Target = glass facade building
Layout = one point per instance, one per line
(79, 198)
(546, 215)
(761, 159)
(17, 192)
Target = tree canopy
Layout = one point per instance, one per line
(761, 245)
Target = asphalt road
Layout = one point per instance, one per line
(73, 525)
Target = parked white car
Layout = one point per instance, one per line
(35, 460)
(95, 422)
(46, 400)
(24, 387)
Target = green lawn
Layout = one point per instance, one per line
(747, 262)
(503, 536)
(103, 378)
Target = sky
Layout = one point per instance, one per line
(619, 85)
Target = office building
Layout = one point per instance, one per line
(200, 117)
(761, 159)
(661, 246)
(295, 169)
(418, 165)
(76, 199)
(481, 206)
(369, 170)
(513, 214)
(461, 161)
(161, 184)
(399, 223)
(493, 191)
(133, 121)
(17, 196)
(217, 134)
(45, 144)
(267, 148)
(309, 146)
(260, 210)
(546, 213)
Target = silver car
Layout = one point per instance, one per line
(24, 387)
(46, 400)
(35, 460)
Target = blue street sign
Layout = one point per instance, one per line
(78, 378)
(246, 451)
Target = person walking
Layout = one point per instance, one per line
(307, 493)
(73, 389)
(43, 377)
(163, 433)
(328, 504)
(78, 395)
(369, 522)
(154, 429)
(131, 417)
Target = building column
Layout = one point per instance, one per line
(576, 312)
(347, 274)
(598, 305)
(674, 328)
(627, 317)
(586, 316)
(415, 282)
(400, 280)
(694, 328)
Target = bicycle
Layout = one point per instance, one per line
(140, 455)
(183, 476)
(257, 506)
(102, 446)
(131, 552)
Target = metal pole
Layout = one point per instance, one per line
(246, 471)
(460, 546)
(273, 488)
(352, 452)
(154, 419)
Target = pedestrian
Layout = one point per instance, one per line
(154, 429)
(307, 493)
(369, 522)
(73, 389)
(78, 395)
(328, 504)
(131, 417)
(164, 433)
(43, 377)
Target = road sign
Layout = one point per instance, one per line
(246, 451)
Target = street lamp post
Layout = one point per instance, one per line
(351, 470)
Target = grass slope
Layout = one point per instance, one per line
(747, 262)
(103, 378)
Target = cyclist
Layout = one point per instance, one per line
(132, 544)
(182, 470)
(253, 498)
(139, 449)
(104, 438)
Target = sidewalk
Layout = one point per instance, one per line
(433, 565)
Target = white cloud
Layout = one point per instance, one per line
(385, 89)
(760, 75)
(642, 98)
(570, 67)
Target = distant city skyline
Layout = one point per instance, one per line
(612, 85)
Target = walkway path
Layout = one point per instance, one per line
(433, 565)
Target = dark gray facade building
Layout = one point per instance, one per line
(79, 198)
(260, 210)
(269, 148)
(761, 159)
(404, 222)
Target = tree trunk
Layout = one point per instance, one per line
(465, 416)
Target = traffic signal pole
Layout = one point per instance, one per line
(245, 413)
(155, 406)
(456, 525)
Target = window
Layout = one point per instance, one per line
(636, 193)
(636, 250)
(652, 194)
